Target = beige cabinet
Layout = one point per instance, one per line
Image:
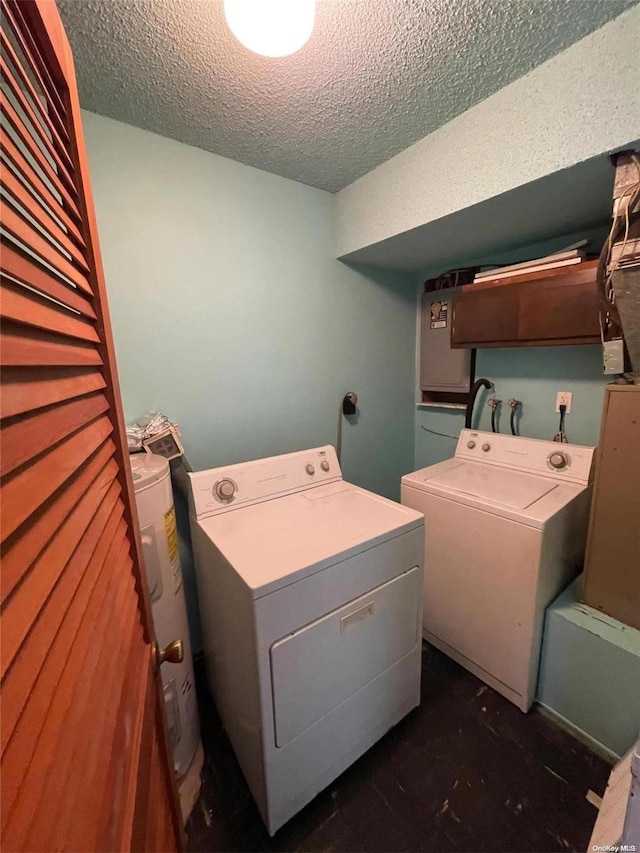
(612, 565)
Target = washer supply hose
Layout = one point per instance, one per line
(561, 435)
(477, 385)
(515, 405)
(493, 404)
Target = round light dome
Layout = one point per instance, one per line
(271, 27)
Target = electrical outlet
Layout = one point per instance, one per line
(613, 356)
(564, 399)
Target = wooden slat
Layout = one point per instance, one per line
(158, 828)
(163, 834)
(23, 346)
(27, 489)
(49, 123)
(167, 839)
(22, 230)
(132, 766)
(60, 158)
(58, 624)
(14, 120)
(100, 792)
(97, 682)
(19, 552)
(86, 797)
(29, 388)
(27, 760)
(154, 815)
(27, 437)
(12, 156)
(24, 37)
(24, 306)
(29, 597)
(143, 770)
(25, 268)
(29, 200)
(113, 828)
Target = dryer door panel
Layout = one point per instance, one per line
(317, 667)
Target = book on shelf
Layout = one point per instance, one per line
(529, 268)
(540, 265)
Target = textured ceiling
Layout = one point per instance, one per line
(376, 75)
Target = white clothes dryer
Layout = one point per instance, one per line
(310, 596)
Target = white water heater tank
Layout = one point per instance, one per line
(156, 514)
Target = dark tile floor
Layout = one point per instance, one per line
(466, 771)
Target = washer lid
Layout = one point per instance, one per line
(277, 542)
(498, 485)
(147, 468)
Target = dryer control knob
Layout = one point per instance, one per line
(471, 444)
(486, 446)
(324, 465)
(310, 469)
(225, 489)
(558, 460)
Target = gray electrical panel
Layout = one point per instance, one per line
(442, 369)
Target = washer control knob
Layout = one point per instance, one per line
(225, 489)
(558, 460)
(324, 465)
(486, 446)
(310, 469)
(471, 444)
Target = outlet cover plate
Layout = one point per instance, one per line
(564, 398)
(613, 356)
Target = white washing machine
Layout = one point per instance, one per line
(310, 596)
(154, 500)
(506, 524)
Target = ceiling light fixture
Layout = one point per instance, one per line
(271, 27)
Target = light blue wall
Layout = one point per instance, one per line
(232, 317)
(532, 375)
(589, 672)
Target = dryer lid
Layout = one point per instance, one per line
(500, 486)
(274, 543)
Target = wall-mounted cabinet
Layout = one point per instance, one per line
(554, 307)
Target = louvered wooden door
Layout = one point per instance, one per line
(84, 751)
